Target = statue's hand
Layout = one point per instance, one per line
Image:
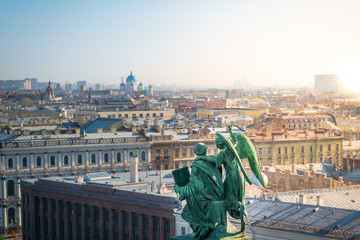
(230, 127)
(177, 188)
(180, 191)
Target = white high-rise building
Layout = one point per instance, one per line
(326, 83)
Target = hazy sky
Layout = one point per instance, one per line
(183, 42)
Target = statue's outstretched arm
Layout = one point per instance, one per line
(230, 127)
(208, 158)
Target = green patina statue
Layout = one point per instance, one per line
(209, 197)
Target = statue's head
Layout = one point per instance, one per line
(200, 149)
(220, 143)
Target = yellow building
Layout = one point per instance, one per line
(299, 147)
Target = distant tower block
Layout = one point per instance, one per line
(151, 91)
(134, 169)
(327, 83)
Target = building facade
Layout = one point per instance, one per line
(62, 155)
(63, 208)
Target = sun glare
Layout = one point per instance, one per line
(349, 73)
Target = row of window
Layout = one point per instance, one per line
(293, 149)
(305, 120)
(66, 160)
(134, 115)
(92, 216)
(177, 152)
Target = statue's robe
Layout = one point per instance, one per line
(206, 206)
(234, 184)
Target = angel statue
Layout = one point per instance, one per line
(209, 196)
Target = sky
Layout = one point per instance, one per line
(188, 43)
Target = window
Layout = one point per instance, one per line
(79, 160)
(10, 163)
(118, 157)
(191, 152)
(106, 157)
(154, 115)
(183, 230)
(52, 160)
(166, 152)
(157, 153)
(279, 150)
(320, 148)
(145, 221)
(311, 160)
(311, 149)
(161, 115)
(116, 217)
(11, 216)
(148, 115)
(337, 147)
(134, 115)
(329, 147)
(141, 115)
(24, 162)
(119, 115)
(131, 154)
(157, 223)
(143, 156)
(66, 160)
(184, 152)
(321, 159)
(176, 153)
(126, 115)
(302, 149)
(269, 151)
(10, 185)
(38, 161)
(125, 218)
(292, 149)
(260, 151)
(285, 150)
(93, 158)
(136, 220)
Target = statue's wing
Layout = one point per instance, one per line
(248, 150)
(234, 151)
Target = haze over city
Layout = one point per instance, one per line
(187, 43)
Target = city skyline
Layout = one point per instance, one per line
(193, 44)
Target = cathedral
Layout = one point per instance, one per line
(131, 84)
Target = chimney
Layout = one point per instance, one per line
(134, 165)
(302, 199)
(293, 169)
(43, 132)
(341, 180)
(99, 130)
(82, 133)
(133, 128)
(189, 130)
(320, 200)
(79, 179)
(311, 167)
